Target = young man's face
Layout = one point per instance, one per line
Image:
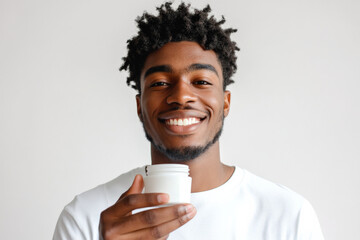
(182, 103)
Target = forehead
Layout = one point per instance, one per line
(180, 55)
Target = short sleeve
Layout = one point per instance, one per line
(309, 226)
(67, 228)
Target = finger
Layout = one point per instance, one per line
(136, 187)
(134, 201)
(162, 230)
(154, 217)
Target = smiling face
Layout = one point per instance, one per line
(182, 102)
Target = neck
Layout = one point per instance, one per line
(207, 171)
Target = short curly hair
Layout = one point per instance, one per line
(179, 25)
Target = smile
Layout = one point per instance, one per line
(182, 121)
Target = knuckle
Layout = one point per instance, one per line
(106, 226)
(156, 233)
(177, 212)
(182, 220)
(129, 200)
(106, 234)
(149, 217)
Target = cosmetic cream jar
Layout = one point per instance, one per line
(172, 179)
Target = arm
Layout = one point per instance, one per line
(67, 227)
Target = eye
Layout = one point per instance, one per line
(159, 84)
(202, 82)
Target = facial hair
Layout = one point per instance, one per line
(185, 154)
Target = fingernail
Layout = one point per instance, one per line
(182, 210)
(192, 213)
(163, 198)
(185, 209)
(189, 208)
(189, 215)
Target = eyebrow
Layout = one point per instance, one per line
(160, 68)
(168, 69)
(199, 66)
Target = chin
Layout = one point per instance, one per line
(183, 153)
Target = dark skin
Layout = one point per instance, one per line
(179, 81)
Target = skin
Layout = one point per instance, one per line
(179, 80)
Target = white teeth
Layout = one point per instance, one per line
(182, 122)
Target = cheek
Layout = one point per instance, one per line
(146, 115)
(146, 106)
(216, 104)
(148, 111)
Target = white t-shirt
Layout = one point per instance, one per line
(246, 207)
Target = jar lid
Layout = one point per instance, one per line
(171, 167)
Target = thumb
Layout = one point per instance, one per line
(136, 187)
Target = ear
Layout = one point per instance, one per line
(227, 98)
(138, 105)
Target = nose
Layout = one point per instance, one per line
(181, 93)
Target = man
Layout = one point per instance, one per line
(180, 63)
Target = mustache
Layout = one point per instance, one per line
(186, 107)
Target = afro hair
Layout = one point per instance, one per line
(175, 25)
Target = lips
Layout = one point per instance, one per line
(182, 121)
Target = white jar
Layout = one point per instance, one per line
(172, 179)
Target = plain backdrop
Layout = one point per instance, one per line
(68, 121)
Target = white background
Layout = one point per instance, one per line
(68, 121)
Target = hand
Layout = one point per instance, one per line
(118, 222)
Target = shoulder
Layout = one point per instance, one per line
(81, 216)
(269, 191)
(272, 197)
(288, 208)
(277, 209)
(105, 194)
